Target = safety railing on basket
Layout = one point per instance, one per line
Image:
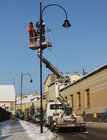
(46, 38)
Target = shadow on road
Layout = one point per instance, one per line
(71, 130)
(4, 137)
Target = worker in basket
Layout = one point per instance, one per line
(32, 34)
(38, 30)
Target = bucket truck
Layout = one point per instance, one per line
(59, 114)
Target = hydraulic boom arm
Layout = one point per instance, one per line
(63, 78)
(51, 67)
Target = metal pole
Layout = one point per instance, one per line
(21, 91)
(15, 107)
(22, 75)
(41, 125)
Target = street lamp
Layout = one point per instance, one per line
(23, 74)
(66, 25)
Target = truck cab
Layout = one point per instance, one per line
(53, 109)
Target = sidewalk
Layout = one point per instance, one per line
(22, 130)
(101, 125)
(12, 130)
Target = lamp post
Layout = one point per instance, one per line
(23, 74)
(66, 25)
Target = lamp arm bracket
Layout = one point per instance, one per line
(55, 5)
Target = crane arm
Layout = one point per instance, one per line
(63, 78)
(53, 69)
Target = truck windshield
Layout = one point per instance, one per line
(56, 106)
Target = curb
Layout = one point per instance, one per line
(101, 125)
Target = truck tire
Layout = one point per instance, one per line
(51, 126)
(56, 130)
(82, 129)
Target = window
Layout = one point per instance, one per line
(87, 98)
(56, 106)
(72, 102)
(78, 100)
(11, 107)
(66, 99)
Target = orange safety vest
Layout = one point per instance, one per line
(29, 28)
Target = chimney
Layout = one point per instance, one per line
(53, 78)
(84, 73)
(76, 73)
(67, 73)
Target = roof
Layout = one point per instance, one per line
(86, 76)
(27, 98)
(7, 93)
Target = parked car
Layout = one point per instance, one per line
(36, 118)
(30, 117)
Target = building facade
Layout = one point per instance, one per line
(7, 98)
(88, 95)
(27, 100)
(50, 85)
(49, 80)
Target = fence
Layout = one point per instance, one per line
(4, 115)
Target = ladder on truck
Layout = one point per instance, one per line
(63, 101)
(68, 109)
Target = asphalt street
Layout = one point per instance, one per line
(90, 134)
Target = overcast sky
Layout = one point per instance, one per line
(84, 45)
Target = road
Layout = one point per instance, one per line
(91, 134)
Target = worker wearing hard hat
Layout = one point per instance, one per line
(31, 29)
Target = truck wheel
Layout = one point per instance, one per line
(82, 129)
(51, 126)
(45, 124)
(56, 130)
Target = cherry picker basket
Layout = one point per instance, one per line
(34, 42)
